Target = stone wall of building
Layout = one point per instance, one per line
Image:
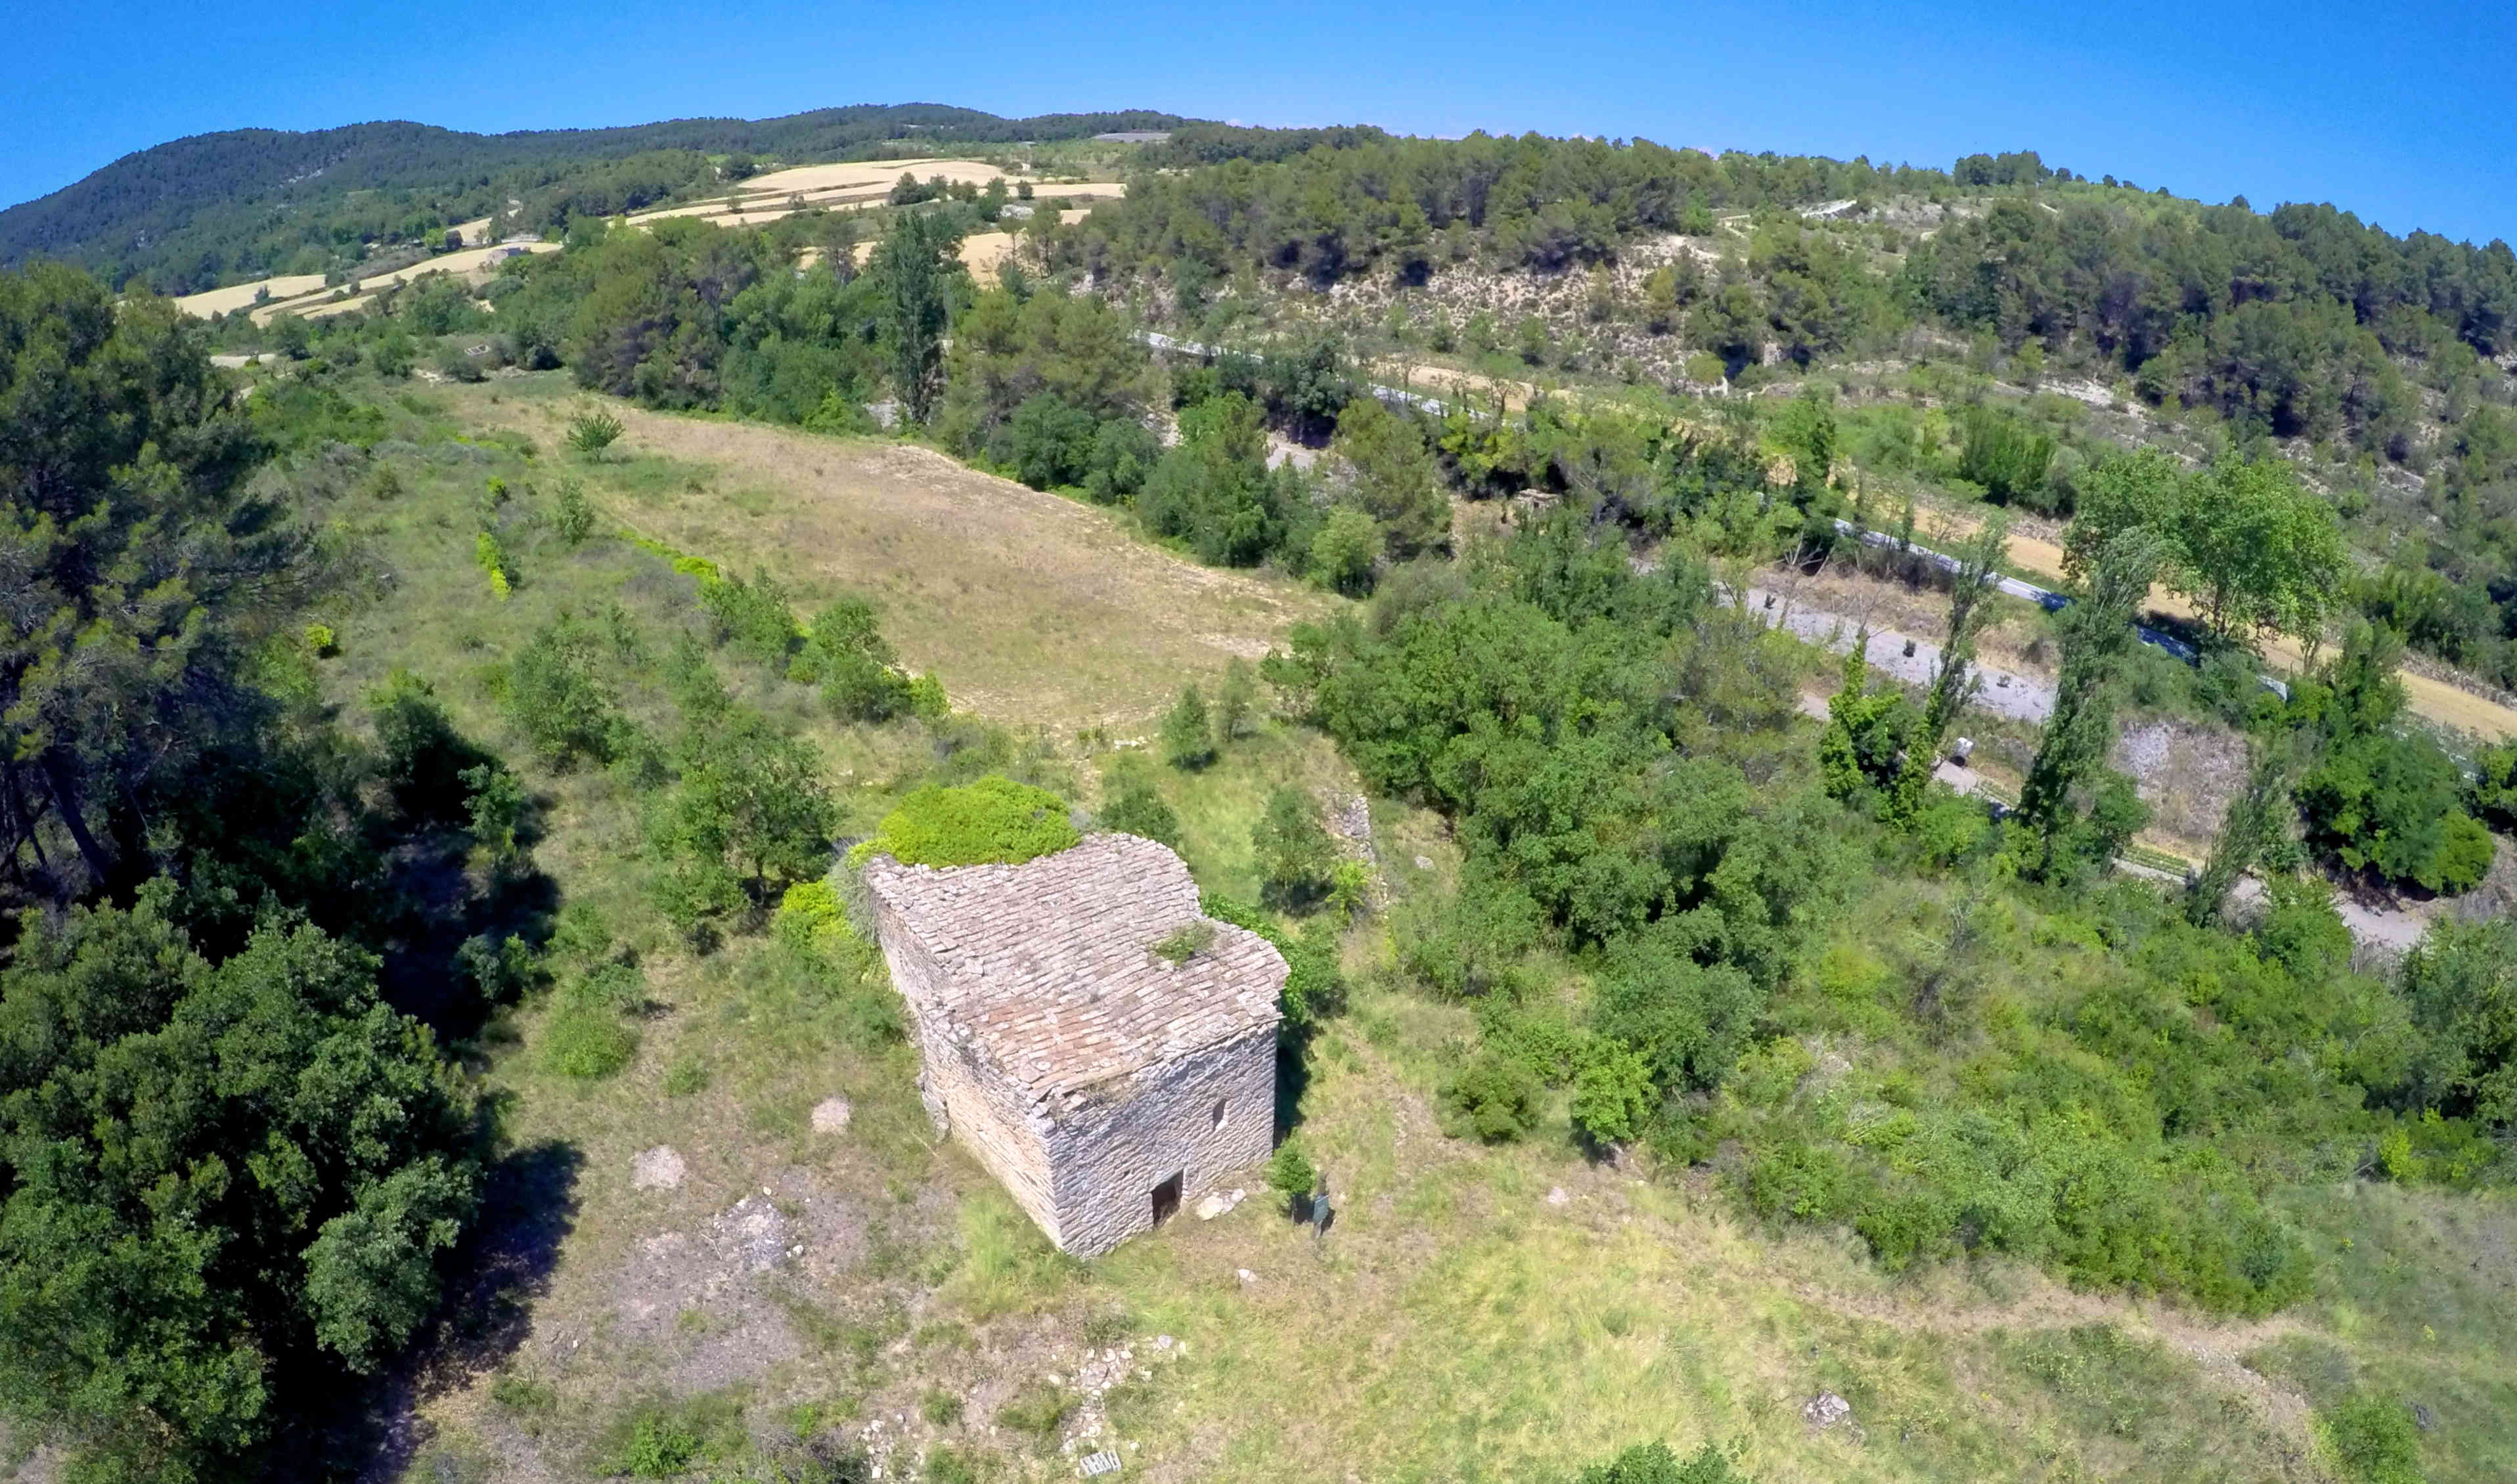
(966, 1098)
(1080, 1067)
(1107, 1152)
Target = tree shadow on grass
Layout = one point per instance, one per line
(529, 1206)
(424, 973)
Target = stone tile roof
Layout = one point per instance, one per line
(1048, 967)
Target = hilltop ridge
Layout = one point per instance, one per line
(194, 212)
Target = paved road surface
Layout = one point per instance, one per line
(2022, 697)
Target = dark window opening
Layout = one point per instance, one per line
(1167, 1197)
(1219, 1113)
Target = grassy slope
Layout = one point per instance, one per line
(1459, 1324)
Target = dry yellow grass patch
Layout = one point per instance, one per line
(328, 308)
(861, 173)
(1030, 607)
(236, 296)
(751, 208)
(982, 251)
(476, 264)
(781, 193)
(1079, 190)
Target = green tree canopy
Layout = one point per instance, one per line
(1392, 477)
(221, 1180)
(911, 267)
(140, 569)
(2254, 548)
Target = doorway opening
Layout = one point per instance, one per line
(1167, 1197)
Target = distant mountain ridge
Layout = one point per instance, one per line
(186, 213)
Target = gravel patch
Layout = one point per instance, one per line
(657, 1169)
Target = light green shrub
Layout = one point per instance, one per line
(586, 1043)
(993, 819)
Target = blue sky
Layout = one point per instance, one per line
(2403, 115)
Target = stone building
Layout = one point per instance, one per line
(1099, 1080)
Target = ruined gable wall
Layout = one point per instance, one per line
(1108, 1153)
(1004, 1136)
(963, 1095)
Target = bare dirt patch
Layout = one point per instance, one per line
(657, 1169)
(2186, 772)
(705, 1300)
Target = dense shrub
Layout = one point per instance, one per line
(848, 655)
(1495, 1098)
(2371, 1440)
(1654, 1463)
(2010, 459)
(1315, 986)
(2461, 982)
(1293, 850)
(1214, 493)
(585, 1041)
(423, 756)
(749, 815)
(992, 819)
(1136, 807)
(756, 616)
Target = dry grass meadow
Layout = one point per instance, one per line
(1477, 1314)
(1032, 608)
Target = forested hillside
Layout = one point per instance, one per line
(213, 208)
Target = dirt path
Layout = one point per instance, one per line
(1445, 381)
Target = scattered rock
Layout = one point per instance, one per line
(1827, 1409)
(754, 1233)
(1246, 1276)
(657, 1168)
(1555, 1196)
(1351, 821)
(1424, 863)
(1213, 1206)
(831, 1115)
(2423, 1417)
